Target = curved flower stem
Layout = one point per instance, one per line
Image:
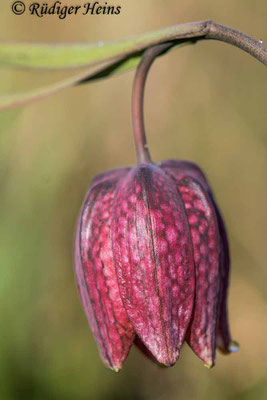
(142, 152)
(194, 31)
(239, 39)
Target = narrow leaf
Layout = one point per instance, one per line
(77, 55)
(101, 71)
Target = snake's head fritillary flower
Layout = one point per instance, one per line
(152, 256)
(152, 263)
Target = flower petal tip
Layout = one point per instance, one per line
(168, 363)
(209, 365)
(233, 347)
(116, 369)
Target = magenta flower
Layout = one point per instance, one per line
(152, 258)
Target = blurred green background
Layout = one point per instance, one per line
(205, 103)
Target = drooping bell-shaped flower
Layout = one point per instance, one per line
(152, 260)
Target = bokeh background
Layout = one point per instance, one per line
(205, 103)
